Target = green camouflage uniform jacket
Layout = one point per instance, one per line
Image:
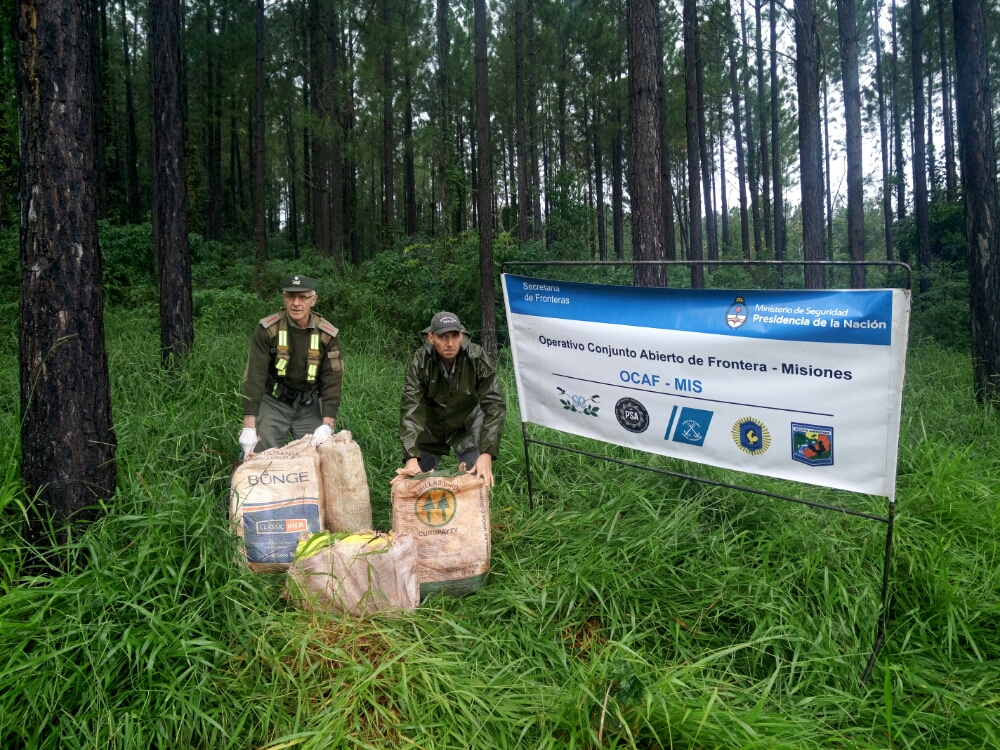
(436, 414)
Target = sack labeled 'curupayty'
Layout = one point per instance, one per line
(346, 503)
(450, 518)
(356, 574)
(274, 501)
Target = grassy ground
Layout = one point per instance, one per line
(625, 610)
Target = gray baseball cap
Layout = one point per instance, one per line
(443, 322)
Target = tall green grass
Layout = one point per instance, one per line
(625, 610)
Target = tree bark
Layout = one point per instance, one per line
(320, 143)
(711, 231)
(96, 50)
(645, 186)
(170, 219)
(669, 242)
(487, 292)
(444, 128)
(883, 136)
(920, 211)
(847, 17)
(977, 151)
(780, 241)
(727, 243)
(536, 183)
(134, 206)
(617, 189)
(68, 441)
(691, 130)
(751, 142)
(388, 137)
(826, 156)
(741, 172)
(410, 176)
(602, 237)
(810, 139)
(897, 124)
(523, 191)
(334, 128)
(765, 160)
(260, 206)
(949, 128)
(293, 213)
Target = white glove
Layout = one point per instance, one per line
(248, 440)
(321, 434)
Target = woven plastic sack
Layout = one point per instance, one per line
(449, 514)
(356, 574)
(274, 501)
(346, 503)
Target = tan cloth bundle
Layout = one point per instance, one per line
(357, 575)
(346, 503)
(274, 501)
(450, 518)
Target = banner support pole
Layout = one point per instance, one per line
(527, 465)
(883, 620)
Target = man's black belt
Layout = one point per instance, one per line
(281, 392)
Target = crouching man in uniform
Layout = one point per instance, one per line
(451, 400)
(294, 373)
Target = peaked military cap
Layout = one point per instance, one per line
(298, 284)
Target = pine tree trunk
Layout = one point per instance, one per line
(68, 441)
(949, 128)
(711, 232)
(536, 183)
(977, 151)
(260, 205)
(691, 130)
(751, 142)
(669, 242)
(780, 241)
(444, 129)
(170, 219)
(134, 206)
(410, 176)
(334, 128)
(727, 243)
(741, 172)
(897, 124)
(523, 191)
(293, 213)
(388, 136)
(765, 160)
(919, 156)
(487, 293)
(826, 157)
(320, 143)
(847, 16)
(883, 135)
(617, 189)
(810, 139)
(99, 126)
(602, 237)
(307, 177)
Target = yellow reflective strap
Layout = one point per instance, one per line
(280, 366)
(314, 341)
(282, 338)
(312, 373)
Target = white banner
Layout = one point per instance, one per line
(801, 385)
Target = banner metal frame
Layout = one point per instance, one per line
(888, 519)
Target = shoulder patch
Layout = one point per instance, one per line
(270, 320)
(326, 327)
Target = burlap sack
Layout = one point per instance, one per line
(450, 518)
(357, 575)
(274, 501)
(346, 504)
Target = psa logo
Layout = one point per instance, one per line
(736, 315)
(436, 507)
(751, 436)
(632, 415)
(692, 426)
(812, 445)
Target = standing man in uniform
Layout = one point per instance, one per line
(451, 400)
(294, 373)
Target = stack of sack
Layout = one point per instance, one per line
(307, 511)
